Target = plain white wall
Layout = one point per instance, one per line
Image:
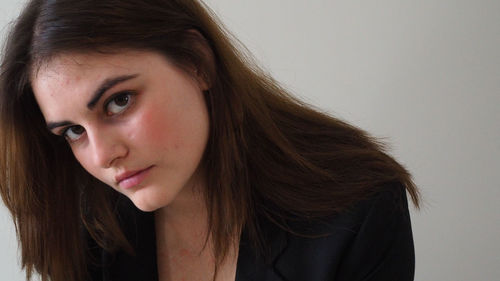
(424, 75)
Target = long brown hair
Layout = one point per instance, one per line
(269, 154)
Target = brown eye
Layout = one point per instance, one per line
(118, 103)
(73, 133)
(121, 100)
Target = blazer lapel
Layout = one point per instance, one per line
(251, 266)
(316, 253)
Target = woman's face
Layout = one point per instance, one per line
(133, 120)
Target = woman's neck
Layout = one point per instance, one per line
(184, 221)
(184, 248)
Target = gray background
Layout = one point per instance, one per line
(423, 75)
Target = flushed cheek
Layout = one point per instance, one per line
(156, 128)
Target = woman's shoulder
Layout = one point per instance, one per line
(372, 238)
(387, 201)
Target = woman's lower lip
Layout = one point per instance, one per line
(135, 179)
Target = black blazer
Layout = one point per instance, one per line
(372, 241)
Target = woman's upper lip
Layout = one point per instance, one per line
(128, 174)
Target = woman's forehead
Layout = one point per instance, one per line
(78, 62)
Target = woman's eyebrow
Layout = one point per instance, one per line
(53, 125)
(106, 85)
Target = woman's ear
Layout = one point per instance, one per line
(205, 68)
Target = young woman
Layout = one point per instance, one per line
(137, 143)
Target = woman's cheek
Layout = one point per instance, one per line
(152, 127)
(85, 160)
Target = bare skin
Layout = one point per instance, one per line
(183, 252)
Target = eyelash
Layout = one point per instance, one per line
(130, 95)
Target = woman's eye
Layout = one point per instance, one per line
(73, 133)
(118, 103)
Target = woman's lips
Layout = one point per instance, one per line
(131, 179)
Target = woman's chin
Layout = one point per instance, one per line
(144, 205)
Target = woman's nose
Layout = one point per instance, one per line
(107, 147)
